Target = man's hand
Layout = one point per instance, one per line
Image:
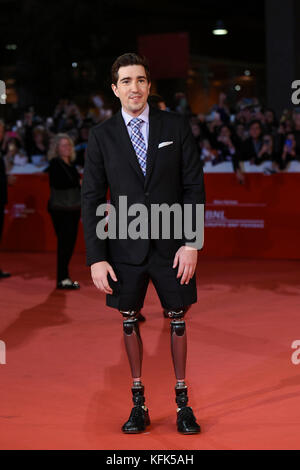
(99, 273)
(186, 257)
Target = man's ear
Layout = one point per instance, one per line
(115, 90)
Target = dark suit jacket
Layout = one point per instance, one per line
(248, 151)
(174, 175)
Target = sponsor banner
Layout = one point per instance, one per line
(260, 219)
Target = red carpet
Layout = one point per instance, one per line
(66, 383)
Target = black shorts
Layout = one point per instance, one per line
(130, 290)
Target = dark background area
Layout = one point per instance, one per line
(50, 36)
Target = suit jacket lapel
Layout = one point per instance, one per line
(154, 133)
(126, 147)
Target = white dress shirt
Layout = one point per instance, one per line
(144, 127)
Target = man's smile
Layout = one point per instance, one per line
(135, 98)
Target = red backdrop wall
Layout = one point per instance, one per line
(260, 219)
(163, 51)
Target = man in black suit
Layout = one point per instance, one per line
(150, 157)
(251, 147)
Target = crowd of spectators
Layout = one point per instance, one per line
(29, 140)
(250, 133)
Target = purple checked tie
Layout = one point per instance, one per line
(138, 142)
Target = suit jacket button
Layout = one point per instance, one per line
(146, 194)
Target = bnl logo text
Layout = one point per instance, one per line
(2, 92)
(2, 352)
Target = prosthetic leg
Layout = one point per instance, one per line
(186, 421)
(139, 416)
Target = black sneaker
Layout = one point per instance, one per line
(4, 275)
(186, 421)
(138, 420)
(68, 284)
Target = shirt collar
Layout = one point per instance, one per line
(144, 115)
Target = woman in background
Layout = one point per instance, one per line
(289, 152)
(64, 204)
(15, 155)
(3, 201)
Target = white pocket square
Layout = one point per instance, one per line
(164, 144)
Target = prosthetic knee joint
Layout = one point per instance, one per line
(177, 321)
(130, 321)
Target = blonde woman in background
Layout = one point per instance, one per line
(64, 204)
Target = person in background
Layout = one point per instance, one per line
(64, 204)
(227, 146)
(241, 133)
(158, 102)
(252, 146)
(296, 126)
(15, 155)
(6, 134)
(2, 136)
(66, 115)
(196, 131)
(280, 137)
(40, 147)
(249, 149)
(3, 202)
(223, 109)
(181, 104)
(213, 128)
(26, 127)
(208, 154)
(289, 125)
(271, 123)
(81, 144)
(267, 151)
(245, 115)
(289, 152)
(98, 110)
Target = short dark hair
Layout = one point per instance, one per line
(256, 121)
(154, 100)
(128, 59)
